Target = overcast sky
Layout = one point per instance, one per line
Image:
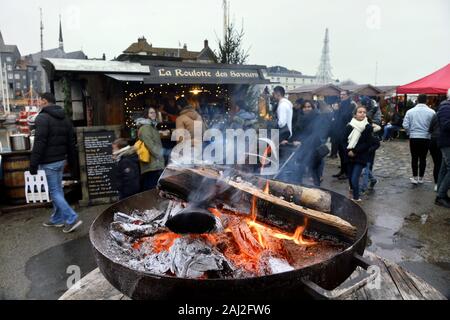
(408, 38)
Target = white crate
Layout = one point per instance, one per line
(36, 187)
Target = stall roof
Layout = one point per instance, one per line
(362, 89)
(317, 89)
(126, 77)
(83, 66)
(152, 71)
(435, 83)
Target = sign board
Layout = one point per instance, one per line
(100, 164)
(97, 169)
(170, 74)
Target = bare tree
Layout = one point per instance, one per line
(231, 49)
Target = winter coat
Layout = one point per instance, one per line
(54, 138)
(311, 130)
(186, 120)
(434, 128)
(417, 121)
(363, 148)
(128, 173)
(243, 120)
(342, 118)
(152, 140)
(443, 116)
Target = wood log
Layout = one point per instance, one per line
(206, 184)
(312, 198)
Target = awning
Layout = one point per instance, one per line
(53, 66)
(126, 77)
(435, 83)
(205, 74)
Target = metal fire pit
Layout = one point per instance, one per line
(313, 281)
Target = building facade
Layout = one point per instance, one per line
(20, 73)
(289, 79)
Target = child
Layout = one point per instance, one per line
(127, 170)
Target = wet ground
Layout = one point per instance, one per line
(405, 227)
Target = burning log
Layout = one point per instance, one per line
(191, 179)
(181, 183)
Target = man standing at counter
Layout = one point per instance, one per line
(54, 141)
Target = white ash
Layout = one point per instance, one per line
(122, 217)
(186, 258)
(135, 230)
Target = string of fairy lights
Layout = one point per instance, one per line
(136, 100)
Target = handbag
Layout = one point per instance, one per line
(322, 151)
(142, 151)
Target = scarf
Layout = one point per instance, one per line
(124, 151)
(358, 128)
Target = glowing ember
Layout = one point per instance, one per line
(163, 241)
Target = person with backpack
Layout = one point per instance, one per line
(150, 139)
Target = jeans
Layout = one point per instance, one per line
(367, 176)
(444, 174)
(62, 212)
(354, 173)
(388, 130)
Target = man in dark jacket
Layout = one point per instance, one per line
(54, 140)
(343, 117)
(443, 116)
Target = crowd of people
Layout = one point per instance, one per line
(354, 129)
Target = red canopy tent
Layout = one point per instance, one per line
(435, 83)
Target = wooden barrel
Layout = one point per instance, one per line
(14, 167)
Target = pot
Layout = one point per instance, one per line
(19, 142)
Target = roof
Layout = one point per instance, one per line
(7, 48)
(362, 89)
(76, 65)
(57, 53)
(284, 72)
(315, 89)
(436, 83)
(387, 89)
(142, 46)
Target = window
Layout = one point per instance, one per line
(24, 77)
(8, 59)
(311, 80)
(303, 81)
(10, 76)
(295, 79)
(17, 85)
(9, 67)
(17, 76)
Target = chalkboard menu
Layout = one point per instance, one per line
(100, 164)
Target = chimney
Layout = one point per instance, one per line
(185, 46)
(104, 57)
(206, 43)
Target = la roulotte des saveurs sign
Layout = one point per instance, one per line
(169, 74)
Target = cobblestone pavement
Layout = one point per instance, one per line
(405, 225)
